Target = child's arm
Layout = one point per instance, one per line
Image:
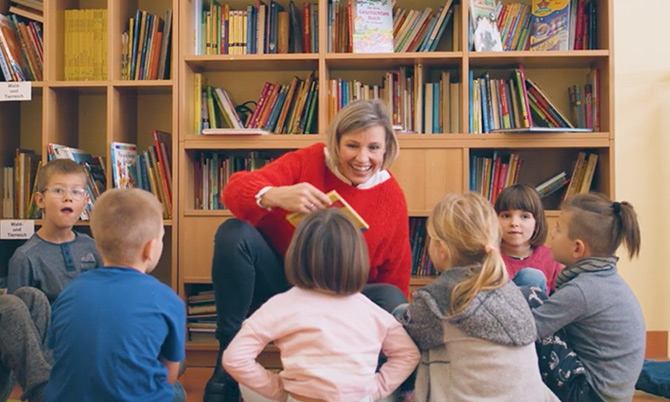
(563, 307)
(402, 357)
(422, 324)
(172, 369)
(239, 360)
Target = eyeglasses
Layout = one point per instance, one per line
(60, 192)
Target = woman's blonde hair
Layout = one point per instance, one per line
(359, 115)
(468, 227)
(328, 253)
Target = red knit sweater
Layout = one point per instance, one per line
(383, 207)
(541, 259)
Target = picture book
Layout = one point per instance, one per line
(124, 164)
(486, 35)
(337, 202)
(550, 25)
(372, 26)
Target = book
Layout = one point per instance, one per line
(234, 131)
(485, 27)
(337, 202)
(124, 167)
(372, 26)
(550, 25)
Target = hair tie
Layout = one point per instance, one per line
(616, 206)
(488, 248)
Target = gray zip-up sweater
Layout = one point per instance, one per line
(484, 353)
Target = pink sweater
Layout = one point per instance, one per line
(329, 347)
(382, 206)
(541, 259)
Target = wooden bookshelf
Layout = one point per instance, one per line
(91, 114)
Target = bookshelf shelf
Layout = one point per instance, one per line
(167, 84)
(201, 212)
(558, 140)
(78, 84)
(358, 61)
(532, 59)
(277, 141)
(253, 62)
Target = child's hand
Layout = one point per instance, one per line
(400, 311)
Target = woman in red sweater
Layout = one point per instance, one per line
(248, 267)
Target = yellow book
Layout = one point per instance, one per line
(197, 102)
(337, 202)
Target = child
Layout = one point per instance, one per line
(117, 333)
(24, 318)
(599, 313)
(472, 325)
(329, 334)
(524, 230)
(55, 254)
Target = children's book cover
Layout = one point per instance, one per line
(337, 202)
(373, 26)
(550, 27)
(124, 164)
(486, 35)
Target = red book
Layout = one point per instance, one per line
(251, 123)
(307, 27)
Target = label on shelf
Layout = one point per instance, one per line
(15, 91)
(16, 229)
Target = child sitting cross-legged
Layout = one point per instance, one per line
(118, 334)
(329, 335)
(472, 324)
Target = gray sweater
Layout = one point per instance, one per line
(484, 353)
(604, 324)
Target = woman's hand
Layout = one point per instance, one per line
(301, 197)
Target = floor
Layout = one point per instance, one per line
(194, 380)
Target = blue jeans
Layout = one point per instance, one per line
(531, 277)
(179, 393)
(655, 378)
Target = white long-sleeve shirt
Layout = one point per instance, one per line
(329, 347)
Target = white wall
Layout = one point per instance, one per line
(642, 130)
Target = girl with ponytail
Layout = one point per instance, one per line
(472, 325)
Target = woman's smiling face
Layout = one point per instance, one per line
(362, 153)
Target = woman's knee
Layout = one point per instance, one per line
(384, 295)
(232, 231)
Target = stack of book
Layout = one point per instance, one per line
(416, 106)
(514, 22)
(201, 316)
(212, 170)
(146, 47)
(18, 197)
(31, 9)
(583, 172)
(257, 29)
(421, 264)
(85, 50)
(552, 185)
(489, 176)
(21, 49)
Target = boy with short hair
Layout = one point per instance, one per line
(55, 254)
(117, 333)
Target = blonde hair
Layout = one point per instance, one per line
(602, 224)
(123, 221)
(57, 166)
(359, 115)
(468, 226)
(327, 252)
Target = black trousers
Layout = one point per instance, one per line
(561, 369)
(246, 272)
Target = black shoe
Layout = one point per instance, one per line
(221, 388)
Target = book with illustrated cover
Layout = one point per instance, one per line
(372, 26)
(124, 164)
(550, 26)
(337, 202)
(486, 35)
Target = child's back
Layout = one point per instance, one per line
(116, 332)
(472, 325)
(110, 325)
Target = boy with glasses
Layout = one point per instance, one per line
(39, 270)
(55, 254)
